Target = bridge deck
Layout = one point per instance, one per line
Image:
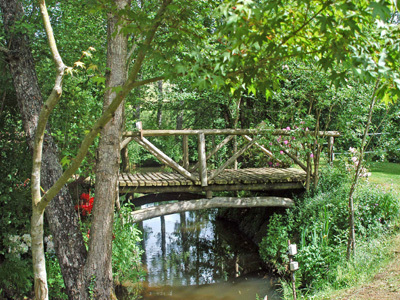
(228, 180)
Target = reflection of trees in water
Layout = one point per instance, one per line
(195, 251)
(198, 255)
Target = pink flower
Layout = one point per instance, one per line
(281, 152)
(311, 155)
(278, 139)
(286, 142)
(288, 128)
(270, 143)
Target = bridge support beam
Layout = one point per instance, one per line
(172, 208)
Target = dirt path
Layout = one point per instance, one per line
(384, 286)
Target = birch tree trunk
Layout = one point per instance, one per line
(99, 263)
(62, 219)
(98, 269)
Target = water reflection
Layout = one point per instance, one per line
(192, 256)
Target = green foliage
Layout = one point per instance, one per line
(319, 225)
(54, 277)
(15, 204)
(77, 29)
(252, 39)
(16, 277)
(91, 287)
(73, 118)
(126, 253)
(377, 211)
(273, 247)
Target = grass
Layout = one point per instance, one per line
(385, 174)
(381, 278)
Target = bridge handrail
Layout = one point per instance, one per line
(140, 137)
(160, 132)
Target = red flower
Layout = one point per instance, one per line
(86, 204)
(85, 197)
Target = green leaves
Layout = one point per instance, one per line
(380, 9)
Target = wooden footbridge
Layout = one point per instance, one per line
(200, 179)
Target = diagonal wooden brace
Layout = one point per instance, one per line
(231, 160)
(145, 143)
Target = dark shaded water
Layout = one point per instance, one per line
(193, 256)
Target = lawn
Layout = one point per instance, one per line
(386, 174)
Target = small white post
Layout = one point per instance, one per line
(293, 266)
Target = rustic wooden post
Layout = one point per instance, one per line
(202, 159)
(330, 150)
(235, 148)
(139, 126)
(214, 151)
(185, 145)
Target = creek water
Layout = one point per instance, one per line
(193, 256)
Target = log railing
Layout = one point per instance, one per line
(201, 166)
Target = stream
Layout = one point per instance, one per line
(193, 255)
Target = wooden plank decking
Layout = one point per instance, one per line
(228, 180)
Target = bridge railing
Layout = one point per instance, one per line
(250, 137)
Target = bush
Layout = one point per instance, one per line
(126, 254)
(319, 225)
(54, 278)
(15, 206)
(16, 277)
(273, 246)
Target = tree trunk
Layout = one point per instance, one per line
(63, 221)
(98, 269)
(351, 244)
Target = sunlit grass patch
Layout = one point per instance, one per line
(386, 174)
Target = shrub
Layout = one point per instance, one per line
(126, 253)
(16, 277)
(273, 246)
(54, 278)
(319, 225)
